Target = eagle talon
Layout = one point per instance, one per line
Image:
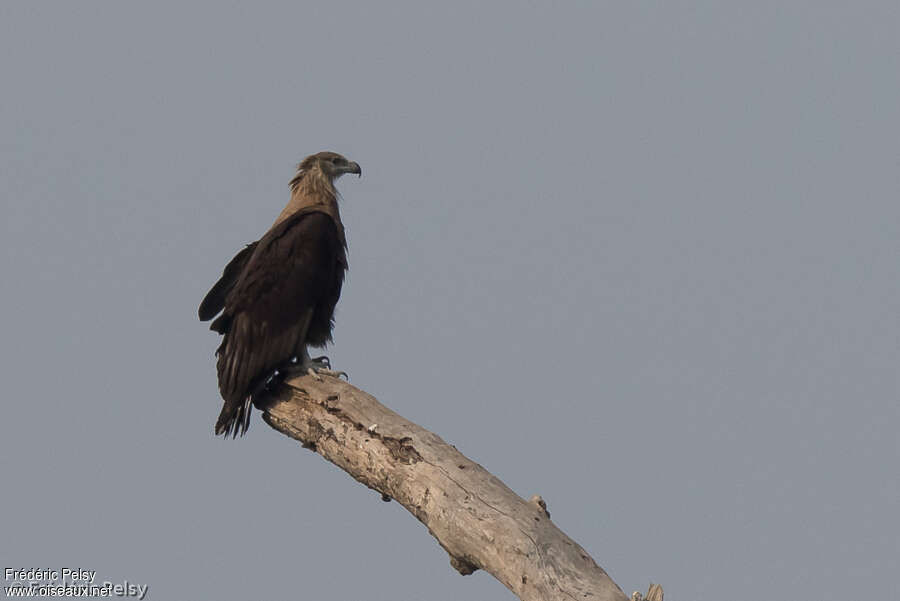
(321, 362)
(272, 381)
(338, 374)
(317, 372)
(267, 385)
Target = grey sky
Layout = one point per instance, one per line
(638, 258)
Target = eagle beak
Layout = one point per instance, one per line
(354, 168)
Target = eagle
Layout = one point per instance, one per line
(277, 296)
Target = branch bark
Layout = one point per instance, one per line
(476, 518)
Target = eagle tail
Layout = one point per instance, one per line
(235, 418)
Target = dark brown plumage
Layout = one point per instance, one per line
(278, 294)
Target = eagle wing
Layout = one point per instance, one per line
(214, 301)
(268, 310)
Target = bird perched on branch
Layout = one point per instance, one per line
(277, 295)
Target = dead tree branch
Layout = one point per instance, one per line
(480, 522)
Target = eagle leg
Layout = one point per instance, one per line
(320, 366)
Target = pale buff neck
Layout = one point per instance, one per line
(310, 188)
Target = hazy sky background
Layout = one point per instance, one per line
(639, 258)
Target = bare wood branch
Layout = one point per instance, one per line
(476, 518)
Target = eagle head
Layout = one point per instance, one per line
(331, 164)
